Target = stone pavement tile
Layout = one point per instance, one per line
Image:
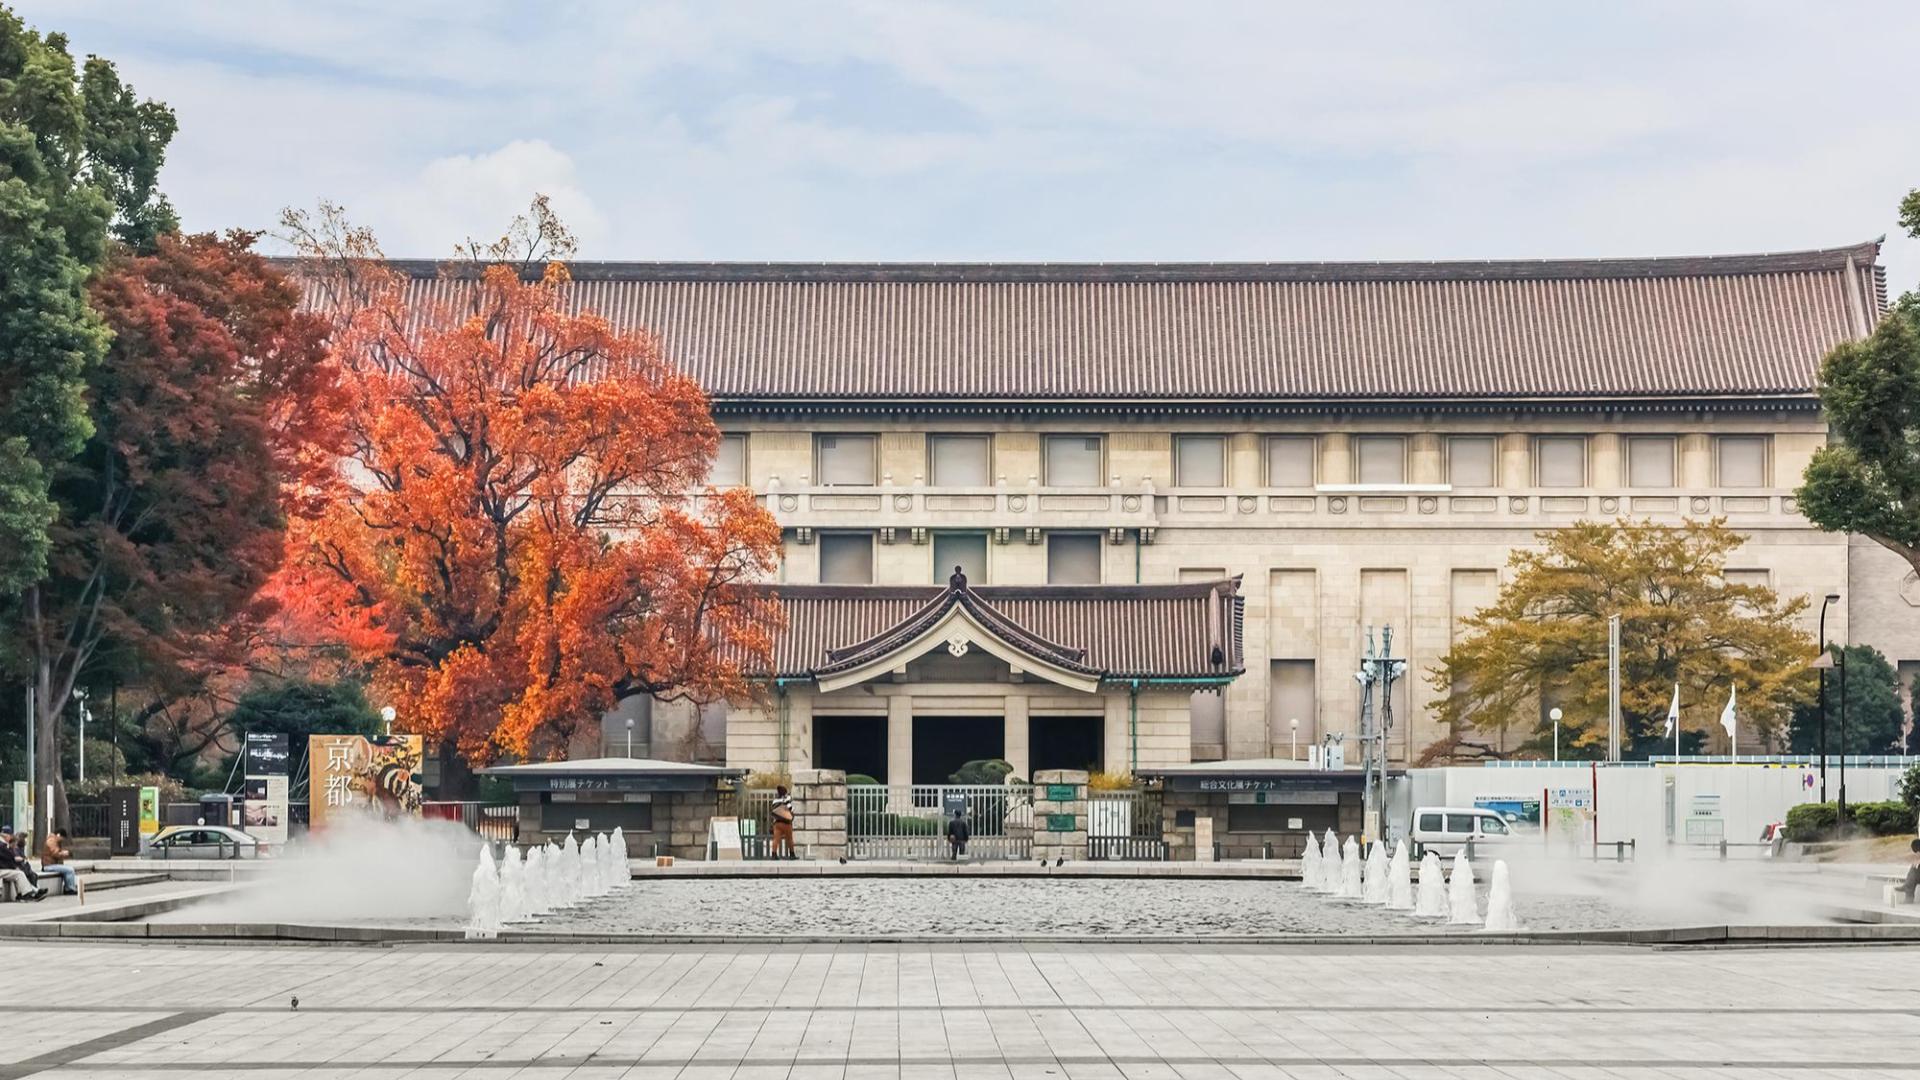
(708, 1072)
(1149, 1070)
(981, 1070)
(1100, 1070)
(761, 1072)
(1210, 1070)
(920, 1070)
(869, 1071)
(815, 1071)
(652, 1072)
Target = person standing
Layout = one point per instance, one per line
(782, 823)
(1913, 872)
(958, 833)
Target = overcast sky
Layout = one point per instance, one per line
(1019, 131)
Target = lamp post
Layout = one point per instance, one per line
(629, 736)
(387, 713)
(1555, 714)
(1831, 599)
(1294, 726)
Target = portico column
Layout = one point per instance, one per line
(1016, 738)
(899, 744)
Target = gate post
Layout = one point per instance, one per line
(820, 812)
(1060, 815)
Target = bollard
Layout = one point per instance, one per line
(1723, 849)
(1619, 852)
(1469, 849)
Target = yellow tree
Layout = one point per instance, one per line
(1682, 621)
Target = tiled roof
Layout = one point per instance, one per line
(1114, 631)
(1748, 325)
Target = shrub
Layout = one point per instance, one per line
(1809, 822)
(1883, 818)
(860, 778)
(984, 771)
(1910, 783)
(1111, 781)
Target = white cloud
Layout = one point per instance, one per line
(459, 196)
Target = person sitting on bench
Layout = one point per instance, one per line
(53, 860)
(15, 871)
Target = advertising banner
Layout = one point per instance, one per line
(266, 754)
(264, 811)
(1516, 809)
(352, 774)
(149, 811)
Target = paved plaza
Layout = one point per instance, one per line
(1007, 1012)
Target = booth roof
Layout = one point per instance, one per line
(611, 766)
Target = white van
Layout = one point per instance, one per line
(1444, 830)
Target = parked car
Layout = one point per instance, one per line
(204, 842)
(1444, 830)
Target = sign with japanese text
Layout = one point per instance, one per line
(352, 774)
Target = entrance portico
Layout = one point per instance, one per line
(915, 681)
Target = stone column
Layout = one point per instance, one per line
(1516, 460)
(900, 752)
(1050, 843)
(1016, 738)
(1427, 459)
(820, 813)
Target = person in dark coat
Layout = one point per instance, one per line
(958, 834)
(15, 868)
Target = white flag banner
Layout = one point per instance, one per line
(1673, 710)
(1726, 714)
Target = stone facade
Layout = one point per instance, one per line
(820, 813)
(680, 825)
(1051, 844)
(1270, 838)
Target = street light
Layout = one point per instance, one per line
(1555, 714)
(1294, 726)
(1832, 598)
(629, 736)
(387, 713)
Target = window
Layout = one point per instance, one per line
(1741, 461)
(1493, 826)
(1260, 817)
(1560, 461)
(1429, 823)
(1073, 559)
(1380, 459)
(1073, 461)
(1290, 461)
(1650, 461)
(968, 551)
(567, 816)
(1200, 461)
(730, 463)
(1207, 723)
(844, 459)
(1473, 461)
(959, 460)
(1460, 823)
(846, 558)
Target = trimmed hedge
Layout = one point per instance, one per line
(1809, 822)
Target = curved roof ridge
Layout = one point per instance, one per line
(928, 615)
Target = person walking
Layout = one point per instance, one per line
(958, 834)
(782, 823)
(53, 860)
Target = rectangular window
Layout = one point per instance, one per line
(1207, 720)
(845, 459)
(1650, 461)
(1290, 461)
(1380, 459)
(1429, 823)
(1560, 461)
(968, 551)
(1473, 461)
(567, 816)
(1460, 823)
(1260, 817)
(1741, 461)
(1073, 461)
(1200, 461)
(1073, 559)
(959, 460)
(1290, 711)
(846, 558)
(730, 463)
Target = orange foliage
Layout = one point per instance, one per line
(529, 538)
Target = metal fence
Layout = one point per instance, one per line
(492, 822)
(1125, 825)
(899, 821)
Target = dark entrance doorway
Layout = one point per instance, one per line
(1067, 742)
(941, 744)
(857, 744)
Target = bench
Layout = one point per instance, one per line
(53, 883)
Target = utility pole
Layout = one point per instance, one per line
(1378, 671)
(1613, 688)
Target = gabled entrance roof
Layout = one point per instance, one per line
(1074, 635)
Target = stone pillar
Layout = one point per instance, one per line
(900, 753)
(1516, 460)
(1051, 843)
(1427, 459)
(820, 813)
(1016, 738)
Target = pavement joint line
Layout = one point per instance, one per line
(113, 1040)
(1091, 1007)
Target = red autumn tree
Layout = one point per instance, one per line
(531, 538)
(171, 519)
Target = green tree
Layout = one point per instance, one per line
(78, 152)
(1545, 638)
(298, 708)
(1874, 715)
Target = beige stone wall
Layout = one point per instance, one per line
(1318, 565)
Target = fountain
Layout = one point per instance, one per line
(621, 871)
(1400, 879)
(592, 881)
(513, 892)
(570, 870)
(1350, 870)
(555, 877)
(1375, 889)
(1460, 898)
(1330, 872)
(1500, 900)
(1432, 902)
(1310, 864)
(483, 897)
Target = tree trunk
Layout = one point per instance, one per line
(46, 761)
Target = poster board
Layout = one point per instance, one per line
(351, 775)
(264, 813)
(149, 813)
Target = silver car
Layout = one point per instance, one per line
(203, 842)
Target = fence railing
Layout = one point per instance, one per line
(900, 821)
(492, 822)
(1125, 825)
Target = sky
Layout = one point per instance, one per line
(1084, 131)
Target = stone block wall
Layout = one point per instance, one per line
(820, 813)
(1049, 845)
